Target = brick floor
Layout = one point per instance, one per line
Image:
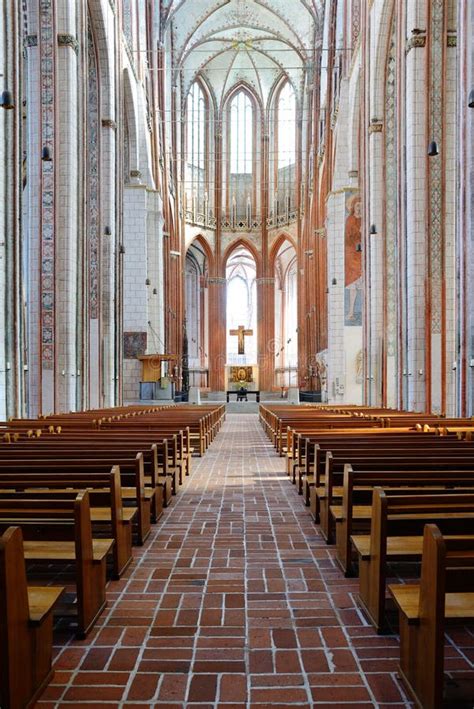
(235, 601)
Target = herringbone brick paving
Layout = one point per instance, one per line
(235, 601)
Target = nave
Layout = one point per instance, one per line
(235, 600)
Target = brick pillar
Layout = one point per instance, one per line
(217, 333)
(266, 332)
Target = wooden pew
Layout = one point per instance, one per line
(355, 513)
(445, 593)
(396, 535)
(131, 476)
(158, 455)
(107, 510)
(26, 627)
(461, 459)
(92, 449)
(72, 518)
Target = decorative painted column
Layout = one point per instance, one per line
(53, 205)
(392, 225)
(416, 191)
(436, 38)
(451, 181)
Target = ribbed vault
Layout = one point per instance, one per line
(244, 41)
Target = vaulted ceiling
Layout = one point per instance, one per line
(249, 41)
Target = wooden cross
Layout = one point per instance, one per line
(241, 333)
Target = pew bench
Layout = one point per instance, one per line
(389, 460)
(131, 476)
(396, 535)
(107, 511)
(44, 521)
(26, 627)
(444, 593)
(355, 512)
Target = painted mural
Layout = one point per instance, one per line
(353, 262)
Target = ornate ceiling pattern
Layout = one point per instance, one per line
(254, 42)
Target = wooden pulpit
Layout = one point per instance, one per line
(152, 366)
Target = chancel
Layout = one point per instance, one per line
(236, 353)
(241, 333)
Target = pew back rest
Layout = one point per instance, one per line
(65, 512)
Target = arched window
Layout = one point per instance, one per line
(241, 135)
(196, 153)
(241, 142)
(286, 152)
(286, 127)
(241, 274)
(286, 316)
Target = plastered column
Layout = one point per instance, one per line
(416, 255)
(68, 193)
(335, 231)
(375, 265)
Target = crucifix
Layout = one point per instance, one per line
(241, 333)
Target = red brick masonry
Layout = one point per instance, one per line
(235, 601)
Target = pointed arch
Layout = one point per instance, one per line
(202, 241)
(277, 244)
(246, 244)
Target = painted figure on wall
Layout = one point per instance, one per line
(353, 262)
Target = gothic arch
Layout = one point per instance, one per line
(97, 20)
(252, 94)
(278, 243)
(382, 34)
(202, 241)
(246, 244)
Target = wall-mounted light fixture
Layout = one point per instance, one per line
(433, 149)
(46, 154)
(147, 282)
(373, 229)
(6, 100)
(358, 248)
(121, 249)
(107, 231)
(470, 100)
(334, 281)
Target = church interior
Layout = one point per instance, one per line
(237, 353)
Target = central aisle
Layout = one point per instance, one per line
(234, 600)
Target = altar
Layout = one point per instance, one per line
(238, 375)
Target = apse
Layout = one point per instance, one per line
(241, 307)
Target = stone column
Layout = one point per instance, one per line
(465, 211)
(416, 225)
(53, 204)
(374, 265)
(335, 231)
(68, 192)
(109, 254)
(11, 224)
